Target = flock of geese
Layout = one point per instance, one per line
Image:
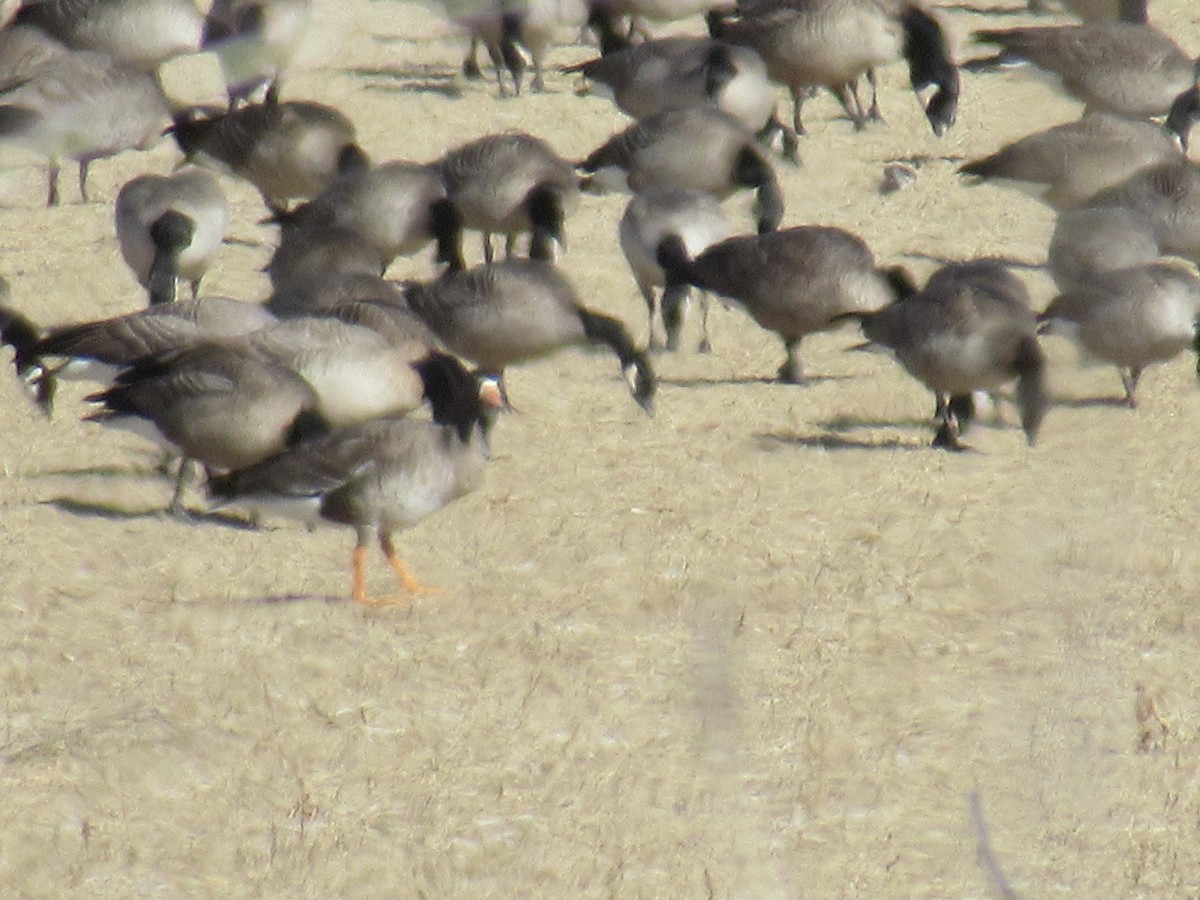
(347, 397)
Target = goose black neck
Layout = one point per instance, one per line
(602, 329)
(928, 56)
(453, 394)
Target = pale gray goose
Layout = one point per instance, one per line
(969, 329)
(508, 184)
(254, 41)
(1092, 240)
(832, 43)
(502, 27)
(1131, 318)
(795, 282)
(171, 227)
(22, 49)
(1066, 165)
(506, 313)
(382, 476)
(1167, 196)
(83, 106)
(698, 147)
(696, 217)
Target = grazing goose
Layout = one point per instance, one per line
(696, 217)
(255, 41)
(21, 334)
(1092, 240)
(507, 184)
(1167, 196)
(1131, 318)
(289, 151)
(970, 329)
(1115, 67)
(309, 253)
(698, 147)
(794, 282)
(1066, 165)
(83, 106)
(140, 33)
(831, 43)
(171, 227)
(382, 476)
(504, 313)
(393, 209)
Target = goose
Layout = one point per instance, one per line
(1116, 67)
(392, 209)
(22, 49)
(382, 476)
(289, 150)
(696, 217)
(1167, 196)
(507, 184)
(697, 147)
(1068, 164)
(1134, 11)
(969, 329)
(83, 106)
(532, 25)
(171, 227)
(19, 333)
(1092, 240)
(1131, 317)
(795, 282)
(831, 43)
(505, 313)
(254, 41)
(142, 34)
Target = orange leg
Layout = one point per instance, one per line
(408, 581)
(359, 560)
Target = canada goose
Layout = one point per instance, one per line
(510, 183)
(382, 476)
(1134, 11)
(289, 151)
(1168, 197)
(140, 33)
(503, 313)
(306, 254)
(970, 329)
(18, 332)
(696, 217)
(1065, 165)
(1116, 67)
(794, 282)
(83, 106)
(698, 147)
(831, 43)
(394, 209)
(532, 25)
(1092, 240)
(1131, 318)
(255, 41)
(22, 49)
(171, 227)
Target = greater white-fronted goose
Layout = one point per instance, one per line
(289, 151)
(696, 217)
(508, 184)
(255, 41)
(506, 313)
(140, 33)
(1131, 318)
(969, 329)
(698, 147)
(1068, 164)
(382, 476)
(832, 43)
(83, 106)
(170, 227)
(795, 282)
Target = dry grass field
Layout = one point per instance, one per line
(765, 644)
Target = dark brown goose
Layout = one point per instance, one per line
(383, 476)
(794, 282)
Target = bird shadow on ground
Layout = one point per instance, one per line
(988, 10)
(95, 510)
(1091, 402)
(1003, 260)
(841, 424)
(415, 79)
(772, 440)
(100, 472)
(748, 379)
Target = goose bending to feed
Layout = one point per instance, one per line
(83, 106)
(698, 147)
(381, 476)
(289, 151)
(696, 217)
(969, 329)
(1131, 318)
(794, 282)
(171, 227)
(254, 41)
(139, 33)
(1068, 164)
(1167, 197)
(508, 184)
(1115, 67)
(1091, 240)
(505, 313)
(832, 43)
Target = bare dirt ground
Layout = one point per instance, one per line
(766, 644)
